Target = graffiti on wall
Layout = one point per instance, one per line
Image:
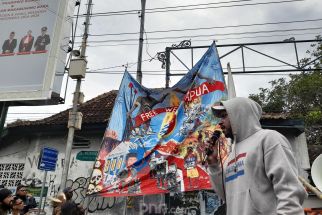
(33, 177)
(52, 186)
(92, 203)
(31, 180)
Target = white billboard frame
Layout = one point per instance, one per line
(55, 60)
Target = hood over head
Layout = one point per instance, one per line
(244, 115)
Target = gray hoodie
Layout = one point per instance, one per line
(260, 174)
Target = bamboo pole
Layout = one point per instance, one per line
(311, 188)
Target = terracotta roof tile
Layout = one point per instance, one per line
(96, 110)
(275, 116)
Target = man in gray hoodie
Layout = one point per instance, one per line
(260, 175)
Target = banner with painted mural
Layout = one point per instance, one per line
(156, 138)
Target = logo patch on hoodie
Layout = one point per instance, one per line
(235, 168)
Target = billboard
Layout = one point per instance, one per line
(156, 139)
(33, 39)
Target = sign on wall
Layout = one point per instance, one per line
(35, 191)
(33, 38)
(48, 159)
(86, 155)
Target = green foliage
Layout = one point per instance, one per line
(273, 100)
(314, 117)
(300, 96)
(305, 95)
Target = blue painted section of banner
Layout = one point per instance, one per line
(48, 159)
(233, 177)
(155, 140)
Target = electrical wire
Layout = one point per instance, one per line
(171, 7)
(123, 65)
(72, 48)
(183, 70)
(163, 74)
(56, 14)
(147, 47)
(162, 10)
(53, 12)
(207, 28)
(203, 40)
(210, 35)
(227, 6)
(233, 68)
(99, 70)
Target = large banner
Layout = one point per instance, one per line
(156, 139)
(34, 39)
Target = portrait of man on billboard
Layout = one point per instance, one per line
(26, 42)
(10, 44)
(42, 40)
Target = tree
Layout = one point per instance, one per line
(300, 96)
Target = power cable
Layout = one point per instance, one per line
(56, 14)
(163, 74)
(52, 11)
(207, 28)
(171, 7)
(147, 46)
(228, 6)
(161, 10)
(183, 70)
(123, 65)
(72, 43)
(219, 39)
(210, 35)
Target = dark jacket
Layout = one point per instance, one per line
(41, 42)
(9, 46)
(71, 208)
(29, 202)
(3, 210)
(26, 47)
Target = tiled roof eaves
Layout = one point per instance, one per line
(96, 110)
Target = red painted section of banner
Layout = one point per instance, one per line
(203, 89)
(149, 185)
(237, 158)
(143, 117)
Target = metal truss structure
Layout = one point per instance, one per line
(164, 57)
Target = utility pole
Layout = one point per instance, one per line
(139, 68)
(77, 70)
(3, 115)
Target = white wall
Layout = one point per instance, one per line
(27, 151)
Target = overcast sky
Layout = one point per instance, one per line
(113, 51)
